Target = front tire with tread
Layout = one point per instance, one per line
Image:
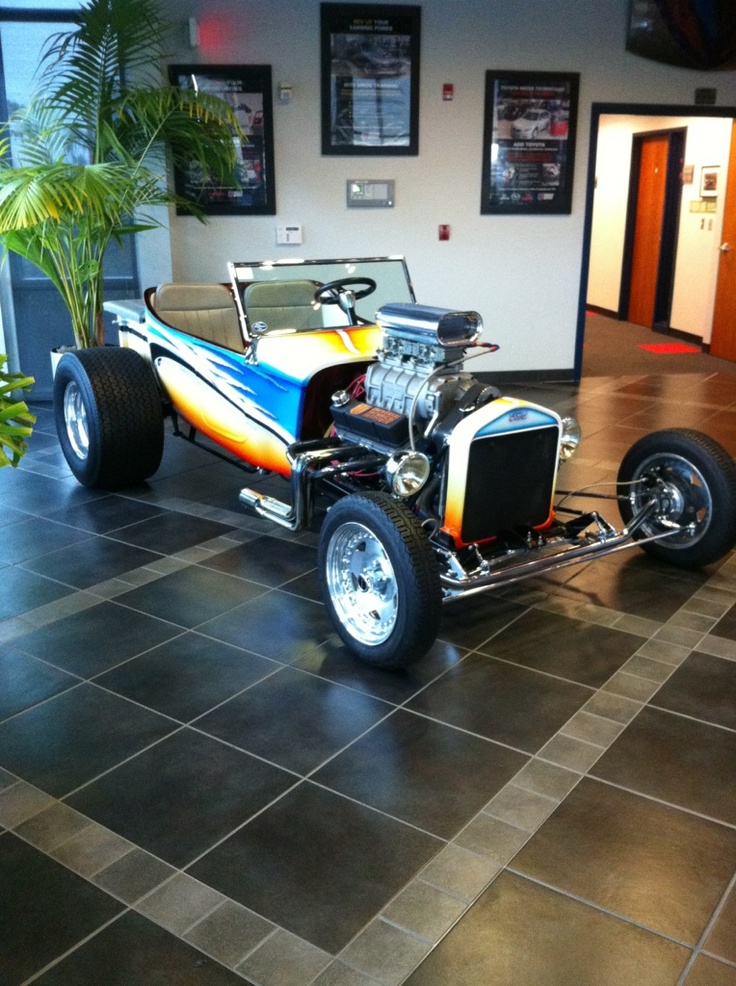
(379, 580)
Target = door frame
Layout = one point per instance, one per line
(597, 110)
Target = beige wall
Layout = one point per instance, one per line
(521, 273)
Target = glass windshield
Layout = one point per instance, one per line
(390, 274)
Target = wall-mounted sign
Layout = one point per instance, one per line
(370, 79)
(529, 142)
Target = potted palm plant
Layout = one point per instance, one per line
(89, 153)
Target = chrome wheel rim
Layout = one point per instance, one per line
(682, 496)
(75, 420)
(362, 584)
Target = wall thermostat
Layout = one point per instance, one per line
(377, 193)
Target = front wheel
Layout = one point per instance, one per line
(692, 481)
(379, 579)
(109, 417)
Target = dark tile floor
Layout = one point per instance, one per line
(198, 785)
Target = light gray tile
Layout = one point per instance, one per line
(718, 647)
(493, 838)
(616, 707)
(691, 621)
(547, 778)
(460, 872)
(425, 910)
(53, 826)
(592, 729)
(284, 960)
(637, 625)
(386, 953)
(631, 686)
(132, 876)
(648, 669)
(229, 933)
(91, 850)
(521, 808)
(338, 974)
(671, 647)
(180, 903)
(571, 753)
(22, 801)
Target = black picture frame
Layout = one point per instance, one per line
(529, 142)
(249, 90)
(370, 79)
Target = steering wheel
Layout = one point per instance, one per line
(333, 292)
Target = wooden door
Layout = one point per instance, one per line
(723, 340)
(648, 229)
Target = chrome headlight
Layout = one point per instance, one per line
(569, 439)
(407, 472)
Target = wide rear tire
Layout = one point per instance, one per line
(693, 480)
(109, 417)
(379, 579)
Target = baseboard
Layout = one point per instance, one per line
(602, 311)
(527, 376)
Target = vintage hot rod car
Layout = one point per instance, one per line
(427, 482)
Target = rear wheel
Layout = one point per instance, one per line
(379, 579)
(692, 481)
(109, 417)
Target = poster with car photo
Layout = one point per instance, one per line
(370, 79)
(529, 142)
(247, 89)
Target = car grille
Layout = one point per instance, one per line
(510, 482)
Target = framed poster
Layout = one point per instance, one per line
(529, 142)
(709, 181)
(370, 79)
(247, 88)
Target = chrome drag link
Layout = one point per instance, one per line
(457, 582)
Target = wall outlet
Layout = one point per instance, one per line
(289, 235)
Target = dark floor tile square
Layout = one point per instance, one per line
(502, 702)
(294, 719)
(75, 736)
(333, 661)
(187, 676)
(659, 867)
(317, 864)
(522, 934)
(133, 951)
(24, 681)
(24, 591)
(271, 561)
(95, 639)
(677, 759)
(45, 910)
(703, 687)
(469, 622)
(33, 537)
(94, 560)
(275, 624)
(108, 513)
(583, 652)
(181, 796)
(171, 531)
(35, 494)
(633, 584)
(432, 776)
(197, 478)
(726, 626)
(191, 596)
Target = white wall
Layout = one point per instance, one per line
(699, 235)
(521, 273)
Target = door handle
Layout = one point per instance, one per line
(725, 247)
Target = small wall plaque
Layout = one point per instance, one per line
(376, 193)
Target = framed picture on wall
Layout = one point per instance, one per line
(709, 181)
(248, 90)
(529, 142)
(370, 78)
